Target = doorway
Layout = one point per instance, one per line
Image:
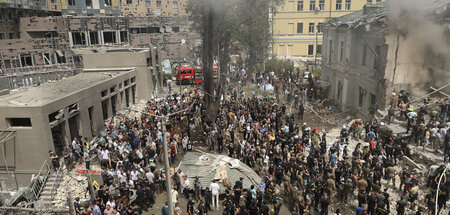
(58, 139)
(73, 126)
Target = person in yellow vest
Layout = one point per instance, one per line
(410, 108)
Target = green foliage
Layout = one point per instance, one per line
(247, 21)
(277, 65)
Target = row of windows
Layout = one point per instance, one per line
(148, 3)
(321, 5)
(376, 58)
(311, 27)
(283, 51)
(3, 36)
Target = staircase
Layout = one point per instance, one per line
(51, 187)
(46, 193)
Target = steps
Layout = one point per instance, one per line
(46, 194)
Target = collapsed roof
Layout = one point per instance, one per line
(212, 166)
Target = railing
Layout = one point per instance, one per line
(55, 185)
(38, 185)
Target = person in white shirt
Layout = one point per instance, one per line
(134, 175)
(214, 187)
(186, 184)
(150, 176)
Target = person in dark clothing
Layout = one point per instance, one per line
(401, 206)
(301, 111)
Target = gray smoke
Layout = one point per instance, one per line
(423, 32)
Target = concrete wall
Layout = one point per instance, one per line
(125, 60)
(33, 143)
(348, 75)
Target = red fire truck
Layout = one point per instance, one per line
(193, 75)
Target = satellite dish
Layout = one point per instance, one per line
(183, 41)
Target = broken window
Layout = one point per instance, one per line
(360, 97)
(104, 93)
(78, 38)
(376, 59)
(299, 28)
(311, 27)
(148, 3)
(175, 4)
(89, 3)
(373, 99)
(363, 61)
(108, 3)
(154, 30)
(112, 89)
(93, 37)
(312, 5)
(54, 117)
(71, 2)
(300, 5)
(322, 4)
(105, 109)
(60, 57)
(2, 36)
(19, 122)
(71, 109)
(348, 4)
(124, 36)
(26, 60)
(342, 51)
(109, 37)
(47, 59)
(330, 51)
(158, 4)
(338, 4)
(310, 49)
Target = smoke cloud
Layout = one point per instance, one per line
(425, 36)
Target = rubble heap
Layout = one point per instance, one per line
(75, 184)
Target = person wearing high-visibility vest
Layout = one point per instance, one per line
(410, 108)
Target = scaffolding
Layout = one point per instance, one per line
(8, 180)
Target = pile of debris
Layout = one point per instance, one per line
(128, 114)
(75, 184)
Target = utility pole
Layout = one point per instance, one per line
(165, 151)
(166, 166)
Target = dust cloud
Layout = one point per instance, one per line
(422, 30)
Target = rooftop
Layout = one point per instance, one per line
(107, 50)
(374, 12)
(52, 91)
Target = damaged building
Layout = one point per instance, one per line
(46, 43)
(374, 52)
(49, 116)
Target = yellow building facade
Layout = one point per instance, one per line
(295, 29)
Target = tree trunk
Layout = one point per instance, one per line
(223, 61)
(207, 58)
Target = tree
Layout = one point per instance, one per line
(222, 21)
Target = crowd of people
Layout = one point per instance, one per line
(300, 167)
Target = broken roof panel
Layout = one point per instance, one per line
(204, 166)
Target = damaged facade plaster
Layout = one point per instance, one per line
(364, 60)
(47, 41)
